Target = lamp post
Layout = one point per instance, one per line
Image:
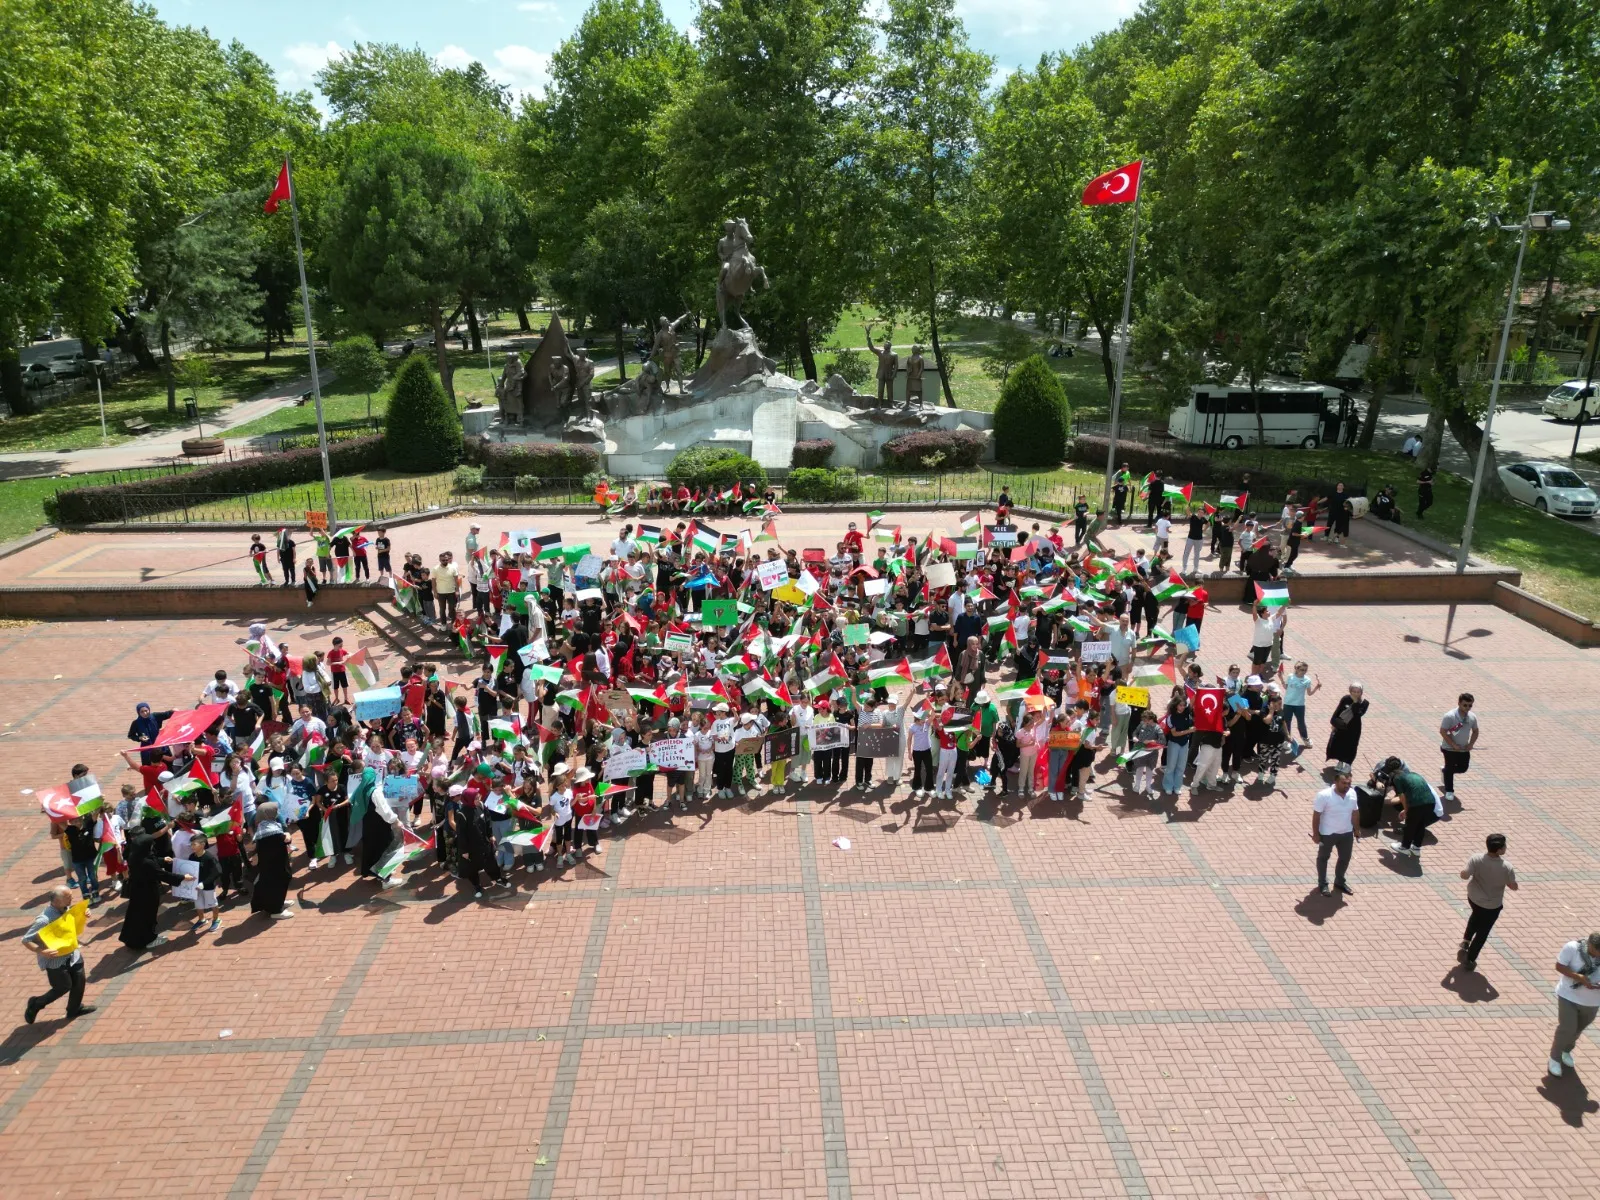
(1543, 221)
(101, 396)
(1588, 388)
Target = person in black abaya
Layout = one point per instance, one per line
(272, 865)
(147, 875)
(476, 844)
(377, 821)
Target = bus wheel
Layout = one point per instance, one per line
(1233, 443)
(1310, 443)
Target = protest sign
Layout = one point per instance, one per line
(186, 889)
(941, 575)
(1003, 537)
(589, 567)
(783, 743)
(401, 787)
(679, 643)
(376, 703)
(856, 635)
(1134, 697)
(829, 737)
(673, 754)
(719, 612)
(623, 763)
(877, 741)
(772, 574)
(1096, 651)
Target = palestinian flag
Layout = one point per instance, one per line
(777, 695)
(195, 779)
(1171, 589)
(1231, 500)
(701, 691)
(611, 787)
(405, 597)
(362, 670)
(462, 629)
(533, 839)
(341, 564)
(703, 537)
(516, 601)
(963, 547)
(257, 745)
(886, 535)
(934, 666)
(506, 729)
(325, 847)
(888, 673)
(1031, 592)
(574, 699)
(648, 535)
(1156, 637)
(828, 678)
(1079, 625)
(283, 537)
(107, 843)
(87, 801)
(970, 524)
(219, 823)
(260, 565)
(497, 658)
(998, 622)
(769, 532)
(546, 672)
(655, 695)
(545, 545)
(1273, 595)
(316, 751)
(874, 518)
(1018, 690)
(1175, 493)
(411, 846)
(1154, 675)
(1056, 604)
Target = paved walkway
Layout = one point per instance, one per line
(1105, 1000)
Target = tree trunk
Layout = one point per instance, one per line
(622, 354)
(472, 327)
(933, 335)
(441, 355)
(1538, 328)
(166, 367)
(1261, 425)
(1432, 439)
(131, 336)
(266, 344)
(16, 396)
(1107, 362)
(1469, 435)
(522, 319)
(1391, 351)
(808, 358)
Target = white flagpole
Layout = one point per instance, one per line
(1122, 352)
(311, 347)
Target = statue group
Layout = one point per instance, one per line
(889, 367)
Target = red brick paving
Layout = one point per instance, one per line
(1242, 1034)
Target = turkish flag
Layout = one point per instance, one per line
(280, 190)
(1209, 704)
(1120, 186)
(188, 726)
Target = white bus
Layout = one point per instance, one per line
(1223, 415)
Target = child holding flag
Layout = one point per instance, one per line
(205, 893)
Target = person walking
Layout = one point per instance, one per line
(1577, 997)
(1179, 724)
(63, 969)
(1345, 740)
(1418, 799)
(1195, 542)
(1334, 827)
(1424, 491)
(1459, 733)
(1488, 875)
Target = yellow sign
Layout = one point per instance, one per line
(1134, 697)
(61, 935)
(789, 594)
(316, 520)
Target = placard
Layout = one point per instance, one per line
(679, 643)
(941, 575)
(620, 703)
(789, 594)
(589, 593)
(749, 745)
(772, 574)
(829, 737)
(856, 635)
(673, 754)
(1134, 697)
(187, 866)
(877, 741)
(1096, 651)
(316, 521)
(401, 787)
(807, 583)
(589, 567)
(620, 764)
(783, 743)
(875, 587)
(1003, 537)
(376, 703)
(589, 821)
(719, 612)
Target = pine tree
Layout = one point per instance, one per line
(422, 432)
(1033, 420)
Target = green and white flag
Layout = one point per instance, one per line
(1273, 595)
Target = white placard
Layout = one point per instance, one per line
(875, 587)
(589, 567)
(1096, 651)
(673, 754)
(590, 594)
(186, 889)
(807, 583)
(621, 762)
(941, 575)
(773, 574)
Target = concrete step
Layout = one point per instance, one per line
(411, 637)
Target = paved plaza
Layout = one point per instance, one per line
(1062, 1000)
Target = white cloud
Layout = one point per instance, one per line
(522, 69)
(305, 59)
(454, 58)
(1020, 30)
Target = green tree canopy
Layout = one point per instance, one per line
(421, 431)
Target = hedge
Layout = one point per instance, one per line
(548, 460)
(303, 441)
(714, 466)
(820, 483)
(1185, 466)
(85, 506)
(962, 449)
(812, 453)
(1032, 421)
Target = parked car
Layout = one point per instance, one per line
(1564, 402)
(67, 366)
(1550, 488)
(38, 375)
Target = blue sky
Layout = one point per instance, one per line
(514, 38)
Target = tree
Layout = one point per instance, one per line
(194, 372)
(421, 431)
(1032, 421)
(1010, 346)
(359, 365)
(929, 99)
(608, 277)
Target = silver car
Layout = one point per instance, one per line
(1550, 488)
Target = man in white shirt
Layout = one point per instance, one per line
(1458, 734)
(1163, 532)
(221, 690)
(724, 732)
(1334, 826)
(622, 547)
(1577, 997)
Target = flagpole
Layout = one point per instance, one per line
(311, 348)
(1122, 352)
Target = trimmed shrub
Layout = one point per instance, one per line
(303, 441)
(468, 479)
(812, 453)
(1032, 421)
(85, 506)
(822, 484)
(852, 367)
(548, 460)
(528, 483)
(714, 466)
(1180, 464)
(422, 431)
(935, 449)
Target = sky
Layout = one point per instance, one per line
(514, 38)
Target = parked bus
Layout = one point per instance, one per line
(1291, 415)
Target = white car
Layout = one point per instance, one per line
(1550, 488)
(1565, 402)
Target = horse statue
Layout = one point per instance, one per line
(740, 271)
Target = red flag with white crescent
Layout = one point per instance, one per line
(1120, 186)
(280, 190)
(1208, 706)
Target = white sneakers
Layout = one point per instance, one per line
(284, 915)
(1554, 1068)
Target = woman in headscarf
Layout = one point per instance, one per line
(147, 873)
(272, 865)
(1345, 740)
(145, 727)
(369, 806)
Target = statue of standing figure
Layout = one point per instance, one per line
(665, 351)
(508, 388)
(739, 271)
(888, 367)
(914, 368)
(583, 383)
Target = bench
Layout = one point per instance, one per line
(137, 425)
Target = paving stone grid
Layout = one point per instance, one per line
(971, 1001)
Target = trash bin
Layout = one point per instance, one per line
(191, 409)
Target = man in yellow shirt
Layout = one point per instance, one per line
(446, 582)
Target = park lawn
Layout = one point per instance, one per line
(74, 423)
(361, 498)
(339, 410)
(22, 500)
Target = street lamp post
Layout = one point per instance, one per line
(1532, 221)
(101, 396)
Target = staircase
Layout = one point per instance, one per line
(410, 637)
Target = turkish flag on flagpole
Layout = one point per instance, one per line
(280, 190)
(1120, 186)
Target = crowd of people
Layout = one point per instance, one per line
(997, 658)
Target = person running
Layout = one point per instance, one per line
(1458, 731)
(1488, 875)
(62, 966)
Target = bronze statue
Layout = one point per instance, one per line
(665, 350)
(583, 382)
(888, 367)
(914, 367)
(739, 271)
(560, 389)
(508, 389)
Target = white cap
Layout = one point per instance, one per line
(746, 718)
(719, 707)
(1253, 681)
(275, 764)
(982, 697)
(583, 775)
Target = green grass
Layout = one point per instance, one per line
(74, 423)
(22, 500)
